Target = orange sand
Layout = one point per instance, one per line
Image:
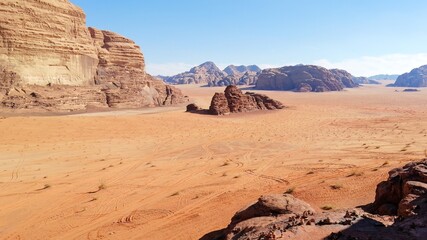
(175, 175)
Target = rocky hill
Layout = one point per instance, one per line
(399, 212)
(381, 77)
(240, 70)
(50, 60)
(416, 78)
(364, 80)
(304, 78)
(208, 73)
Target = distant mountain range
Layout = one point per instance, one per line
(382, 77)
(208, 73)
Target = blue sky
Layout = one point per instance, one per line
(365, 37)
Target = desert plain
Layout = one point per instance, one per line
(166, 174)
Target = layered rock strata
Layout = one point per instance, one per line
(50, 60)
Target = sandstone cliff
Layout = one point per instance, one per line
(416, 78)
(49, 59)
(304, 78)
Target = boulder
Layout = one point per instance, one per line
(234, 101)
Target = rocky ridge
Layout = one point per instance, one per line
(208, 73)
(304, 78)
(50, 60)
(416, 78)
(403, 198)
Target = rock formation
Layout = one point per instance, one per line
(416, 78)
(382, 77)
(364, 80)
(240, 70)
(49, 59)
(234, 101)
(304, 78)
(403, 197)
(208, 73)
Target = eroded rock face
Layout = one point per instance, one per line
(285, 217)
(46, 50)
(206, 73)
(416, 78)
(402, 188)
(234, 101)
(304, 78)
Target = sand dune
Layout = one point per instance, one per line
(174, 175)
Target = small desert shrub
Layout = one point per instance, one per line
(326, 208)
(102, 186)
(336, 186)
(385, 163)
(309, 173)
(290, 190)
(46, 186)
(175, 194)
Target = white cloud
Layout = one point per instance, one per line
(369, 65)
(168, 69)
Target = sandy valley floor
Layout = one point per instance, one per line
(175, 175)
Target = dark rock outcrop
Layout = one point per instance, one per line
(193, 107)
(303, 78)
(416, 78)
(403, 195)
(234, 101)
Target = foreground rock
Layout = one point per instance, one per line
(416, 78)
(234, 101)
(304, 78)
(403, 197)
(50, 60)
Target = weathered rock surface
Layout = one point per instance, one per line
(304, 78)
(416, 78)
(364, 80)
(285, 217)
(47, 51)
(234, 101)
(240, 70)
(208, 73)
